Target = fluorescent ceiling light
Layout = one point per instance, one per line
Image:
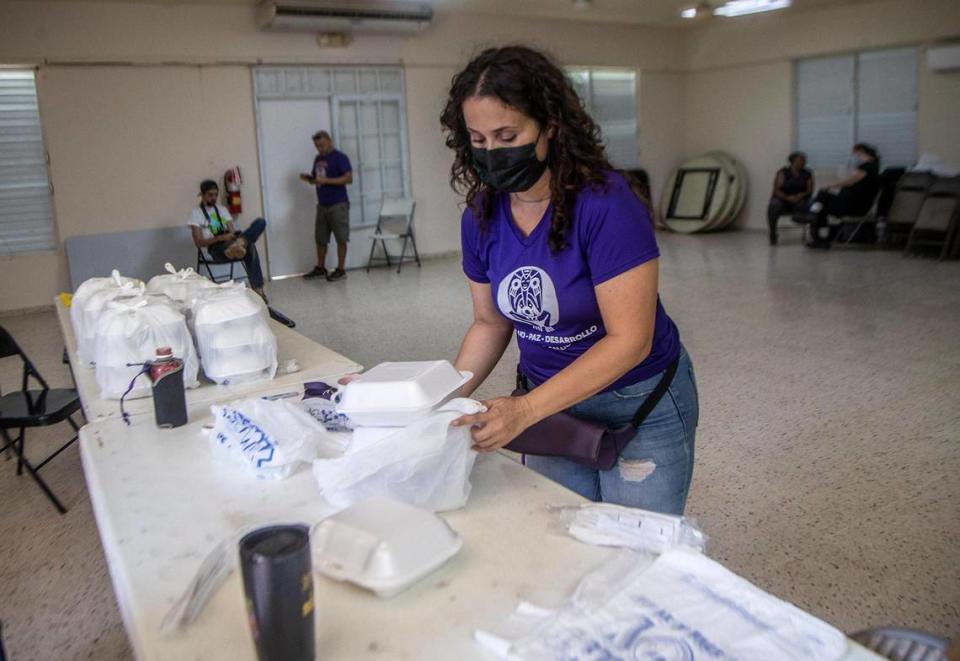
(689, 13)
(744, 7)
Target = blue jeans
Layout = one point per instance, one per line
(251, 263)
(654, 470)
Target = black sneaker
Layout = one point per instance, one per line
(317, 272)
(338, 274)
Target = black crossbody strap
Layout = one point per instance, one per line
(654, 397)
(220, 224)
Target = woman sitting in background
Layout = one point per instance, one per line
(792, 189)
(852, 196)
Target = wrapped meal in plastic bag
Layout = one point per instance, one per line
(269, 438)
(232, 329)
(426, 464)
(86, 289)
(128, 334)
(89, 300)
(181, 286)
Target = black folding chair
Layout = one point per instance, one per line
(206, 261)
(28, 408)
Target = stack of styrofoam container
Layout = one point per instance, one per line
(395, 394)
(128, 333)
(232, 330)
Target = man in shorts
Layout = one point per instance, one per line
(331, 174)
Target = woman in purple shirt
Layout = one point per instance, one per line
(558, 249)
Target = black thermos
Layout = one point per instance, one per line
(278, 586)
(169, 397)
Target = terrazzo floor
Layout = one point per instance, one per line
(827, 455)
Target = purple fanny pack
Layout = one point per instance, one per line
(584, 441)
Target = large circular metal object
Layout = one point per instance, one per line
(738, 183)
(695, 196)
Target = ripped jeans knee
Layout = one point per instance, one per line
(635, 470)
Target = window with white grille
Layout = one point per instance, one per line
(26, 204)
(369, 125)
(610, 96)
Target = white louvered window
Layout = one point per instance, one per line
(26, 205)
(610, 96)
(887, 104)
(865, 97)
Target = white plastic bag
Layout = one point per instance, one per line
(129, 331)
(604, 524)
(426, 464)
(232, 329)
(89, 301)
(680, 606)
(269, 438)
(181, 286)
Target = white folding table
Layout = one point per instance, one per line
(162, 503)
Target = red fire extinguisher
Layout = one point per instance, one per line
(231, 184)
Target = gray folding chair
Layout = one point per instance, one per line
(938, 220)
(908, 197)
(394, 223)
(859, 222)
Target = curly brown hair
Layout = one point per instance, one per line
(528, 81)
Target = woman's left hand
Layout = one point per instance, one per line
(504, 420)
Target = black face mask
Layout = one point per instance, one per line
(509, 169)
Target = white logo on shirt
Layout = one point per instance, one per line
(528, 295)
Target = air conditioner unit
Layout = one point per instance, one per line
(344, 16)
(944, 58)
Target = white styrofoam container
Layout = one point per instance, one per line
(382, 545)
(397, 394)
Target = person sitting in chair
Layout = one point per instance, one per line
(212, 227)
(792, 189)
(852, 196)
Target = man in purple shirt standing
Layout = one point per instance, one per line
(331, 174)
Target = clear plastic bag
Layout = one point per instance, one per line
(604, 524)
(269, 438)
(128, 334)
(89, 302)
(181, 286)
(426, 464)
(681, 605)
(232, 329)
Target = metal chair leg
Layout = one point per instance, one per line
(33, 473)
(416, 254)
(373, 248)
(20, 440)
(403, 252)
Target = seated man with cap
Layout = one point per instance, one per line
(212, 227)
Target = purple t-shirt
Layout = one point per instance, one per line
(549, 297)
(335, 164)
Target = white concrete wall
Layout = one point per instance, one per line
(141, 101)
